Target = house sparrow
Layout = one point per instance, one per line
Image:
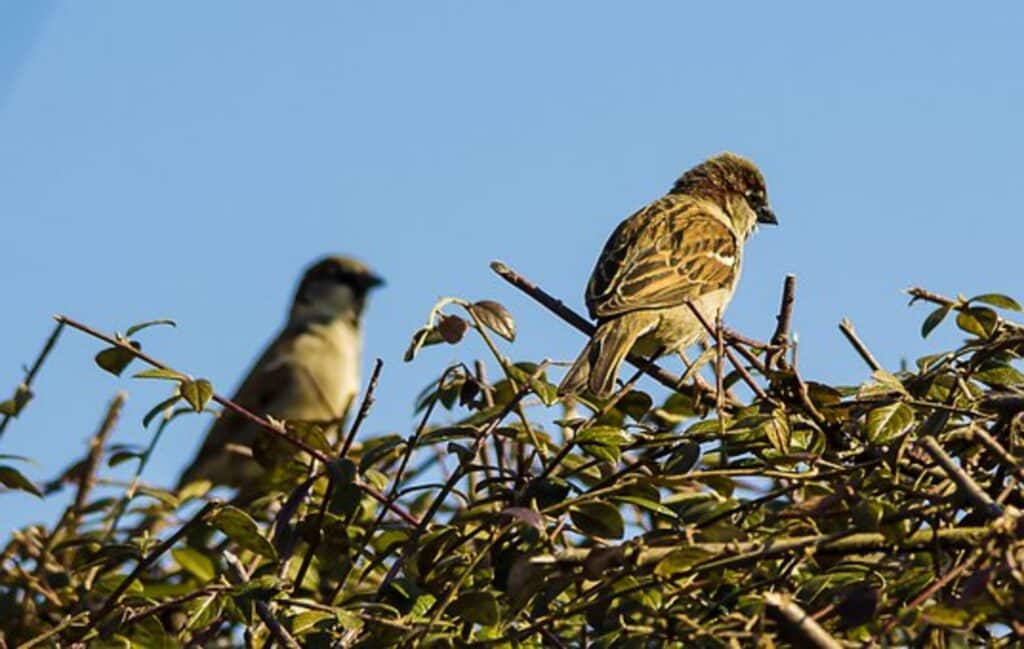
(685, 246)
(310, 372)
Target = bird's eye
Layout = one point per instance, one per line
(755, 198)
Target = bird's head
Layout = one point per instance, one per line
(736, 185)
(333, 287)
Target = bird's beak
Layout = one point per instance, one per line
(767, 216)
(371, 280)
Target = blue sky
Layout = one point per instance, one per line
(185, 160)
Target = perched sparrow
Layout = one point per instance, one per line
(310, 372)
(685, 246)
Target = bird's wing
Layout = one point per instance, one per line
(673, 250)
(269, 382)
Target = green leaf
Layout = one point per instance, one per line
(13, 479)
(679, 560)
(998, 300)
(241, 528)
(422, 338)
(115, 359)
(885, 423)
(122, 456)
(13, 406)
(603, 435)
(197, 393)
(777, 430)
(422, 605)
(636, 404)
(195, 563)
(479, 607)
(683, 458)
(1000, 376)
(598, 518)
(159, 408)
(947, 616)
(342, 471)
(980, 321)
(934, 319)
(149, 323)
(647, 504)
(160, 373)
(306, 622)
(495, 317)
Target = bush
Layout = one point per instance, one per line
(766, 509)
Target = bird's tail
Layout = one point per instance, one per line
(598, 364)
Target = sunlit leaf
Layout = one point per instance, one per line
(195, 563)
(998, 300)
(980, 321)
(885, 423)
(150, 323)
(196, 393)
(495, 317)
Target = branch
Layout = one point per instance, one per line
(780, 339)
(847, 328)
(88, 477)
(31, 374)
(740, 369)
(733, 552)
(277, 631)
(803, 624)
(974, 494)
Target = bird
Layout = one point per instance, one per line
(309, 372)
(686, 246)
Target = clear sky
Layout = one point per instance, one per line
(185, 160)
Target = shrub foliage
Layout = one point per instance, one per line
(755, 507)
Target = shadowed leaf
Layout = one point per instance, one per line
(13, 479)
(599, 519)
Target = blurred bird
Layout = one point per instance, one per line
(310, 372)
(685, 246)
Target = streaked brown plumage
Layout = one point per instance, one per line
(685, 246)
(310, 372)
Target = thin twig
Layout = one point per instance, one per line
(847, 328)
(974, 494)
(364, 408)
(277, 631)
(31, 374)
(735, 362)
(156, 609)
(804, 624)
(87, 479)
(776, 357)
